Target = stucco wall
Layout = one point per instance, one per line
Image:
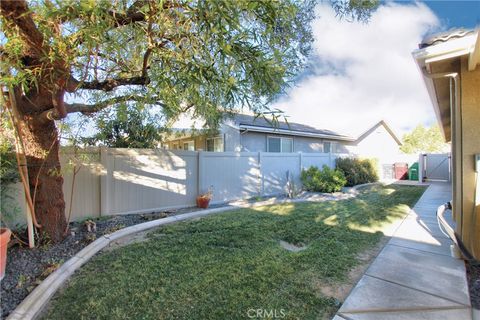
(231, 142)
(199, 143)
(231, 137)
(470, 100)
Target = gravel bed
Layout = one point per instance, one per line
(26, 268)
(473, 277)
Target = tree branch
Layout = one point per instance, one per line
(133, 13)
(110, 84)
(17, 12)
(53, 114)
(145, 62)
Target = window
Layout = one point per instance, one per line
(215, 144)
(277, 144)
(175, 146)
(329, 147)
(189, 145)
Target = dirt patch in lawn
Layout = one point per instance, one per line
(292, 247)
(340, 291)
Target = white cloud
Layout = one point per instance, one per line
(365, 72)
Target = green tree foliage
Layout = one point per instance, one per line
(205, 56)
(126, 126)
(357, 171)
(8, 162)
(325, 180)
(201, 55)
(350, 10)
(423, 140)
(8, 171)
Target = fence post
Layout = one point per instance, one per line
(301, 161)
(260, 172)
(106, 179)
(420, 167)
(201, 159)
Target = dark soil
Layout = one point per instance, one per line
(473, 277)
(26, 268)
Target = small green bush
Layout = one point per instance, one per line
(8, 175)
(358, 171)
(325, 180)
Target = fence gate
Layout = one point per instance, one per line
(437, 166)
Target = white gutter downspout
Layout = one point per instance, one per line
(454, 124)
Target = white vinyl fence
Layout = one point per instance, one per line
(121, 181)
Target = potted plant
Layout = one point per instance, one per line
(5, 234)
(203, 200)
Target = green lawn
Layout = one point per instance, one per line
(222, 266)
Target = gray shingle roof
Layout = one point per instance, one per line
(243, 119)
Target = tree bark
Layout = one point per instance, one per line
(41, 142)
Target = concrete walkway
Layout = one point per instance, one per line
(414, 276)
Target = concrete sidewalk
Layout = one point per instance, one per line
(414, 276)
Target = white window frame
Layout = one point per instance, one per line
(281, 149)
(220, 137)
(188, 143)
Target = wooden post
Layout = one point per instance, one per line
(22, 167)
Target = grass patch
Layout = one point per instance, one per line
(222, 266)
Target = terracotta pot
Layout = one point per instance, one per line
(202, 202)
(5, 234)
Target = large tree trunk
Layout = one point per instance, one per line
(41, 144)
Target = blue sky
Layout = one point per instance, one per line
(454, 14)
(362, 73)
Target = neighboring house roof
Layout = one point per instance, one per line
(245, 122)
(250, 123)
(374, 127)
(443, 49)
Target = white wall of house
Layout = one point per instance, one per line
(379, 144)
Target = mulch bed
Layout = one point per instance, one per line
(473, 277)
(26, 268)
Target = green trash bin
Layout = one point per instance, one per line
(413, 171)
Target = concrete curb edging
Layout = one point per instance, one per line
(34, 304)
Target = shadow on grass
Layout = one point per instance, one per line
(223, 266)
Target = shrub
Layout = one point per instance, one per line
(8, 174)
(358, 171)
(325, 180)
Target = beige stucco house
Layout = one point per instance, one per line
(450, 66)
